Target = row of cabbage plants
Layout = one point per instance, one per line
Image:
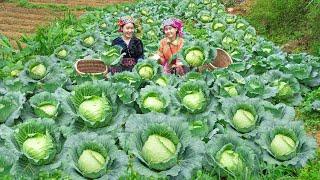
(227, 122)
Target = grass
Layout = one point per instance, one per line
(312, 170)
(293, 23)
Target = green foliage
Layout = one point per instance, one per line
(132, 128)
(311, 171)
(284, 21)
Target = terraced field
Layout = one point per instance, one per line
(79, 2)
(16, 21)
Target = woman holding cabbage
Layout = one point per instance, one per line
(132, 47)
(171, 45)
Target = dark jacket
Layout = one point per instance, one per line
(134, 52)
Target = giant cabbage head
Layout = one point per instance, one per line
(229, 154)
(244, 114)
(158, 149)
(154, 99)
(159, 143)
(94, 108)
(37, 140)
(146, 69)
(288, 89)
(244, 119)
(197, 53)
(193, 96)
(94, 103)
(285, 143)
(45, 105)
(37, 69)
(89, 155)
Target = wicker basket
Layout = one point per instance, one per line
(91, 67)
(222, 60)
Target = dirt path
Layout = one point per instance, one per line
(317, 135)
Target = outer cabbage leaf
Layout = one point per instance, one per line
(194, 96)
(188, 151)
(304, 146)
(114, 166)
(10, 107)
(243, 114)
(156, 99)
(95, 103)
(241, 160)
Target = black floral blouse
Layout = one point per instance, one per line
(133, 53)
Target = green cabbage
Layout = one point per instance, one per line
(231, 90)
(49, 109)
(158, 149)
(243, 119)
(38, 71)
(94, 109)
(240, 25)
(161, 82)
(195, 57)
(91, 162)
(153, 104)
(146, 72)
(62, 53)
(284, 89)
(282, 145)
(194, 100)
(38, 147)
(103, 25)
(206, 18)
(89, 41)
(231, 160)
(217, 26)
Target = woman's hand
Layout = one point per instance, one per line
(180, 70)
(155, 57)
(166, 68)
(179, 67)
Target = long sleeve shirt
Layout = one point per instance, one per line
(133, 52)
(167, 49)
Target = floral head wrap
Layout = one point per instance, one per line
(174, 22)
(123, 21)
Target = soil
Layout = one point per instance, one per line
(291, 46)
(241, 8)
(318, 137)
(95, 3)
(16, 21)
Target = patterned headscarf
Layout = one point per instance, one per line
(123, 21)
(174, 22)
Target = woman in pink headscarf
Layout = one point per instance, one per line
(170, 45)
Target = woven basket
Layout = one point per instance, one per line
(91, 67)
(222, 60)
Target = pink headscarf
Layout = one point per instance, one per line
(174, 22)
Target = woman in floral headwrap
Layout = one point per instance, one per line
(170, 45)
(132, 47)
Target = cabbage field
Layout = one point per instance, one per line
(238, 122)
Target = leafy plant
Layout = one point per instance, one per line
(162, 146)
(286, 143)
